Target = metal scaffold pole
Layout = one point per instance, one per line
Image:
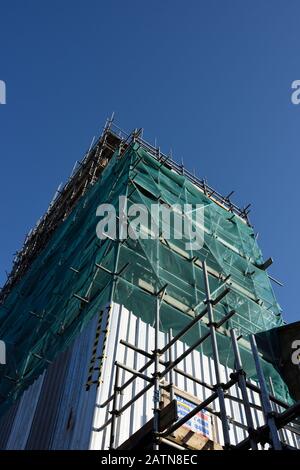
(156, 393)
(243, 387)
(171, 379)
(114, 412)
(213, 336)
(265, 400)
(282, 433)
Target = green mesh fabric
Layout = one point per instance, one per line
(77, 274)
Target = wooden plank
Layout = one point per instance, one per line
(144, 436)
(193, 441)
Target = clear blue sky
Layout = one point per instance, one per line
(211, 79)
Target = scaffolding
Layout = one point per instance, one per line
(64, 275)
(84, 174)
(275, 420)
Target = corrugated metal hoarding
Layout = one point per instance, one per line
(57, 412)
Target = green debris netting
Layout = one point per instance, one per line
(65, 287)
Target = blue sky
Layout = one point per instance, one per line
(209, 79)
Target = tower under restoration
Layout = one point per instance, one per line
(140, 341)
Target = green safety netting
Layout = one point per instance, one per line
(77, 274)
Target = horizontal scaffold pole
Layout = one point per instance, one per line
(195, 320)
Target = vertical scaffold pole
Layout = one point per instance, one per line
(213, 336)
(243, 387)
(156, 393)
(171, 370)
(282, 432)
(114, 412)
(265, 400)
